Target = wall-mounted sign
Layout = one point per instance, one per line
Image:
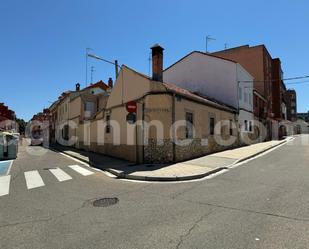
(131, 106)
(157, 110)
(131, 118)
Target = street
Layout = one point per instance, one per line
(262, 203)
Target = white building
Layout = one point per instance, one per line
(216, 78)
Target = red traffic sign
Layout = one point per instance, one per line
(131, 106)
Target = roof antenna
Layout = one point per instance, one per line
(92, 70)
(225, 46)
(149, 61)
(208, 39)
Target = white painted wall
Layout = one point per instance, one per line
(212, 76)
(245, 116)
(245, 89)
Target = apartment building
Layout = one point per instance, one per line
(269, 102)
(291, 104)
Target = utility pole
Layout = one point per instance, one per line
(92, 70)
(208, 39)
(149, 64)
(87, 53)
(116, 69)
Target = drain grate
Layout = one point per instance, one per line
(105, 202)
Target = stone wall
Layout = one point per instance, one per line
(154, 153)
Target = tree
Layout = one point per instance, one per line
(21, 125)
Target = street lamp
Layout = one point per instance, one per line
(115, 63)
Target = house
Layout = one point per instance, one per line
(303, 115)
(148, 120)
(222, 80)
(7, 119)
(302, 127)
(85, 108)
(70, 111)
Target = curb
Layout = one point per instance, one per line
(258, 153)
(68, 154)
(122, 175)
(163, 179)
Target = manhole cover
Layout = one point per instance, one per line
(105, 202)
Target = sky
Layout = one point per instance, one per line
(43, 42)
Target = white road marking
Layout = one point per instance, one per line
(60, 174)
(88, 166)
(5, 185)
(81, 170)
(7, 173)
(33, 179)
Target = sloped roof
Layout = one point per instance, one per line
(99, 84)
(186, 93)
(195, 96)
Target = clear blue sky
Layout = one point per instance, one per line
(43, 41)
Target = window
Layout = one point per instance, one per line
(89, 109)
(250, 99)
(189, 125)
(65, 132)
(250, 126)
(246, 125)
(212, 126)
(108, 128)
(231, 127)
(246, 97)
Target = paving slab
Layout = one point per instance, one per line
(188, 170)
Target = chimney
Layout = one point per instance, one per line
(77, 86)
(157, 62)
(110, 83)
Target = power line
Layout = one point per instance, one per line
(299, 82)
(263, 81)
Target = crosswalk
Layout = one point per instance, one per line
(34, 180)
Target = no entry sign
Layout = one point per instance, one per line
(131, 106)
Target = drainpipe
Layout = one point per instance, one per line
(174, 132)
(143, 132)
(136, 137)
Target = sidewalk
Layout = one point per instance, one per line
(188, 170)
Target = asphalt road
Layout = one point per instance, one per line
(263, 203)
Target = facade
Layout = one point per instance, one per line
(199, 105)
(258, 62)
(270, 101)
(85, 108)
(70, 111)
(7, 118)
(159, 106)
(302, 127)
(291, 104)
(304, 116)
(222, 80)
(278, 87)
